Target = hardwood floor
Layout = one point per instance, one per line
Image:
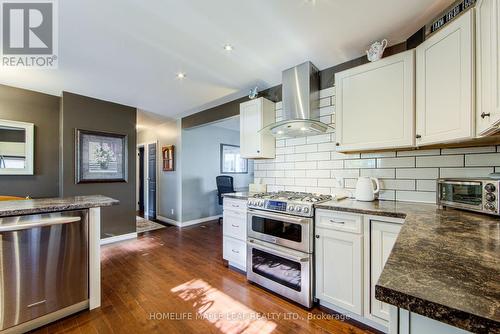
(174, 281)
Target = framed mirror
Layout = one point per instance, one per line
(16, 148)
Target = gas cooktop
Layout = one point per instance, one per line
(295, 203)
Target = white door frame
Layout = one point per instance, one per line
(146, 176)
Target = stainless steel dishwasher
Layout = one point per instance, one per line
(43, 264)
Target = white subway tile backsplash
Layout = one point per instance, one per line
(318, 156)
(386, 173)
(466, 172)
(482, 160)
(378, 155)
(417, 173)
(469, 150)
(283, 181)
(312, 164)
(306, 165)
(306, 148)
(318, 173)
(359, 163)
(416, 196)
(426, 185)
(441, 161)
(326, 111)
(397, 184)
(326, 147)
(278, 105)
(396, 162)
(326, 92)
(325, 138)
(415, 153)
(331, 164)
(295, 141)
(325, 102)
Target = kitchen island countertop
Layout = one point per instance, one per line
(36, 206)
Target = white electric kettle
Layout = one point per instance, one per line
(365, 190)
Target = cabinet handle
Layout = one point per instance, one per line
(235, 206)
(258, 151)
(483, 115)
(317, 236)
(337, 144)
(336, 222)
(232, 250)
(418, 136)
(235, 225)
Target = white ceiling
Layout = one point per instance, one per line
(129, 51)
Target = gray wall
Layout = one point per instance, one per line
(43, 111)
(169, 191)
(200, 166)
(91, 114)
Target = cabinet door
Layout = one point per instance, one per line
(376, 104)
(487, 66)
(234, 224)
(445, 84)
(339, 269)
(383, 236)
(250, 124)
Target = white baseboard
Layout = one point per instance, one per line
(117, 238)
(188, 223)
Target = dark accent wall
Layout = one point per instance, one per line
(43, 111)
(327, 79)
(91, 114)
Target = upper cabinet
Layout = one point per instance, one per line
(255, 115)
(487, 67)
(445, 84)
(376, 104)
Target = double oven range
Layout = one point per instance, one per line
(280, 243)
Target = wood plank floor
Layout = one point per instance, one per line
(175, 281)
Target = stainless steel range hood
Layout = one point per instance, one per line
(300, 104)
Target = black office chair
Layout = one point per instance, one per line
(225, 184)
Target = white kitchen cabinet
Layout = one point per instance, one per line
(255, 115)
(234, 232)
(487, 67)
(445, 84)
(383, 237)
(339, 259)
(375, 104)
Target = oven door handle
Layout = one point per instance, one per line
(460, 183)
(280, 217)
(277, 252)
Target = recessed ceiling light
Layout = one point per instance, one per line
(181, 75)
(228, 47)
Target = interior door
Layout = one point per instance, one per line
(445, 84)
(152, 181)
(141, 179)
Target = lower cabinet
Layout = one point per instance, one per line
(339, 269)
(383, 237)
(412, 323)
(234, 231)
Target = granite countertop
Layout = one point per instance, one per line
(445, 264)
(238, 195)
(35, 206)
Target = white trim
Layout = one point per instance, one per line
(29, 129)
(188, 223)
(94, 258)
(354, 316)
(117, 238)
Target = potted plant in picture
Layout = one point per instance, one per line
(104, 155)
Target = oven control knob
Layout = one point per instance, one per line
(261, 204)
(490, 197)
(489, 207)
(298, 209)
(306, 210)
(291, 208)
(490, 187)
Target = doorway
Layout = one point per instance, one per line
(147, 160)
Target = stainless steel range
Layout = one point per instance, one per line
(280, 243)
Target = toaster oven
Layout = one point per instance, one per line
(480, 195)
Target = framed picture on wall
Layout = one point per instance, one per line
(100, 157)
(231, 161)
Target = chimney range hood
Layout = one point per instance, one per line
(300, 104)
